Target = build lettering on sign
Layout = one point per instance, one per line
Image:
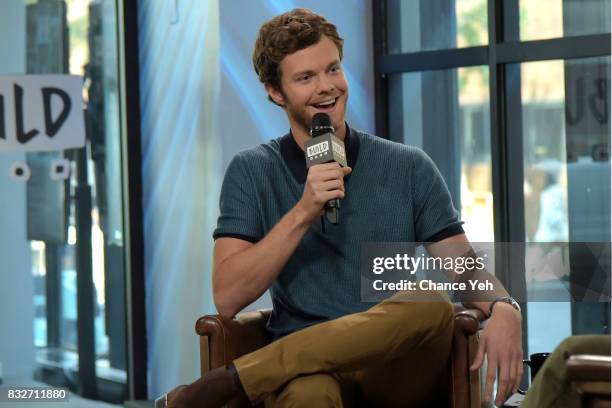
(41, 113)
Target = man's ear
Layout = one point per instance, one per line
(276, 95)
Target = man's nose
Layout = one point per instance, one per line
(325, 85)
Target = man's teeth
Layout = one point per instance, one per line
(327, 103)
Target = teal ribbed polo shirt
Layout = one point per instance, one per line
(394, 194)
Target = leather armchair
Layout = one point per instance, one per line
(590, 374)
(223, 340)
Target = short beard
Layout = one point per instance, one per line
(303, 122)
(306, 126)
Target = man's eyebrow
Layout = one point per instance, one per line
(305, 72)
(311, 72)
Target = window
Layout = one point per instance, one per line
(511, 100)
(453, 105)
(68, 240)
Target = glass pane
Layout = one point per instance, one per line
(446, 113)
(566, 141)
(436, 24)
(39, 271)
(544, 19)
(40, 217)
(68, 294)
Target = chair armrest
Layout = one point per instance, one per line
(222, 340)
(585, 367)
(465, 384)
(590, 374)
(468, 321)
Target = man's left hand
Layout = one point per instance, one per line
(501, 341)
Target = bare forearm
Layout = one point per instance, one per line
(481, 299)
(480, 296)
(243, 277)
(477, 297)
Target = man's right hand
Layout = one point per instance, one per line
(324, 182)
(243, 271)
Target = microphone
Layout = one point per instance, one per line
(325, 147)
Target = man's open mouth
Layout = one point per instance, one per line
(328, 104)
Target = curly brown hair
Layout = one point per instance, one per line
(286, 34)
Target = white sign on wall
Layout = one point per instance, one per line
(41, 113)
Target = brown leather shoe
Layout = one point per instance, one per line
(213, 390)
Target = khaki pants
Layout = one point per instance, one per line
(390, 355)
(551, 387)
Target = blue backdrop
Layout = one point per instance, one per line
(201, 103)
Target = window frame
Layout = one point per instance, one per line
(502, 54)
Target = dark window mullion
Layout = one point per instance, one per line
(433, 60)
(558, 48)
(505, 52)
(506, 159)
(498, 139)
(584, 46)
(381, 81)
(136, 331)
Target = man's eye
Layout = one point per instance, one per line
(335, 69)
(304, 78)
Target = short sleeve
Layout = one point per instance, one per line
(435, 216)
(239, 216)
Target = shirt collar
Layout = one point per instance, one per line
(295, 158)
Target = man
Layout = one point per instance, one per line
(330, 347)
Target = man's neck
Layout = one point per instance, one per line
(301, 136)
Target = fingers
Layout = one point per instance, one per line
(326, 175)
(503, 382)
(513, 375)
(330, 167)
(327, 166)
(324, 182)
(490, 378)
(477, 363)
(324, 196)
(331, 185)
(519, 372)
(322, 192)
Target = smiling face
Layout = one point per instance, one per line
(312, 81)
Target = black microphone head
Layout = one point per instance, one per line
(321, 119)
(321, 124)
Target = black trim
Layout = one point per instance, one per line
(447, 232)
(497, 129)
(135, 271)
(238, 236)
(294, 157)
(53, 292)
(86, 344)
(381, 82)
